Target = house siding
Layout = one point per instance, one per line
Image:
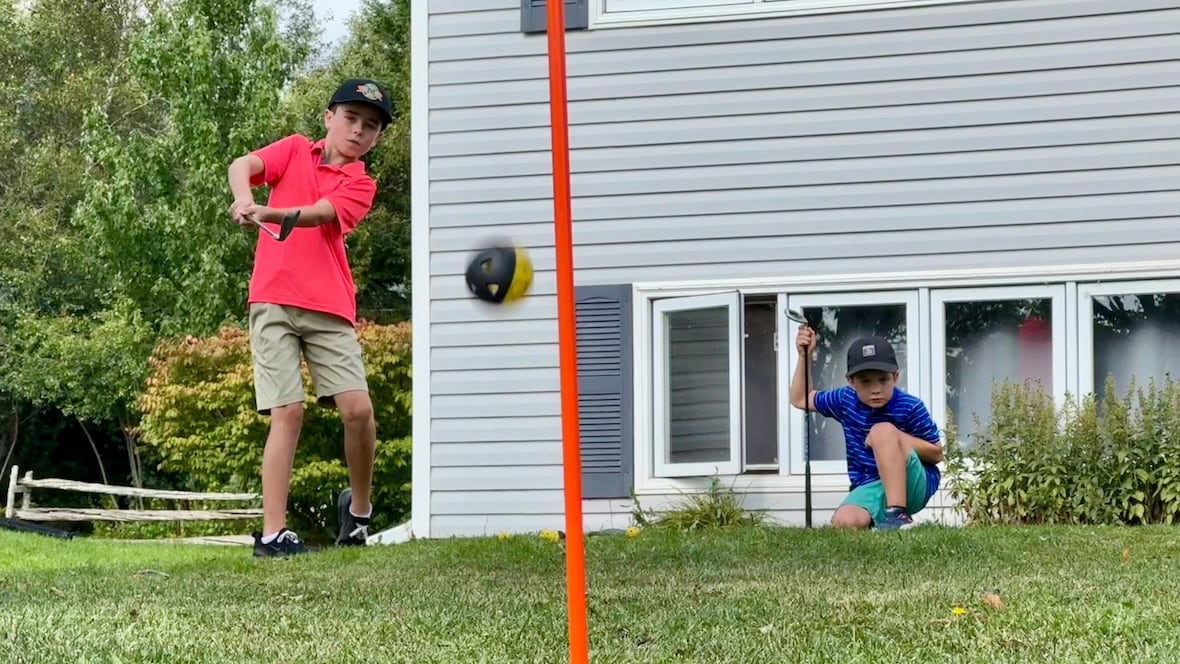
(981, 134)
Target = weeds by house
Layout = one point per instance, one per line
(717, 507)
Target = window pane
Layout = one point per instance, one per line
(1135, 335)
(994, 341)
(837, 328)
(761, 383)
(698, 389)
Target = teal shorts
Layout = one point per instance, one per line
(871, 496)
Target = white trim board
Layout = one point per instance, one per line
(862, 281)
(420, 265)
(633, 13)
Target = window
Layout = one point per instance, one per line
(839, 320)
(1128, 329)
(982, 337)
(697, 377)
(760, 393)
(719, 365)
(606, 13)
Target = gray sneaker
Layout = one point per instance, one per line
(354, 531)
(895, 519)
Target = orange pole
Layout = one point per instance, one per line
(567, 341)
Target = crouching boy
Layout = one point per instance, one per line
(891, 442)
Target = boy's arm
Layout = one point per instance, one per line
(348, 205)
(241, 171)
(802, 392)
(924, 438)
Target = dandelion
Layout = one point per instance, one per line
(958, 611)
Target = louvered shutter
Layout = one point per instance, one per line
(534, 15)
(605, 404)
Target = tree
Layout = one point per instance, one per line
(213, 71)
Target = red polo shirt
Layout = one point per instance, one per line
(310, 268)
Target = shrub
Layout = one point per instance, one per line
(717, 507)
(199, 421)
(1113, 462)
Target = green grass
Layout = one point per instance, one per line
(756, 595)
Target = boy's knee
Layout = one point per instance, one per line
(287, 416)
(883, 433)
(851, 516)
(355, 410)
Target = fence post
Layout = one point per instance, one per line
(26, 496)
(10, 504)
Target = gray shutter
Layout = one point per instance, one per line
(605, 405)
(534, 15)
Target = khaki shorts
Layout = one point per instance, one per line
(280, 334)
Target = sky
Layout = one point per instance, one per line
(333, 16)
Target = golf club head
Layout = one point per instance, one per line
(288, 225)
(797, 316)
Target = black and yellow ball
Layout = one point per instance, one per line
(501, 273)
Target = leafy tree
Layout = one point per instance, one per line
(155, 208)
(56, 58)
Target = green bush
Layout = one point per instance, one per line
(199, 421)
(1111, 462)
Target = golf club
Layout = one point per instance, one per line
(797, 316)
(285, 229)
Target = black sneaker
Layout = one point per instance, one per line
(286, 544)
(354, 531)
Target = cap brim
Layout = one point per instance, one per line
(875, 365)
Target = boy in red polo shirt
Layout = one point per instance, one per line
(303, 300)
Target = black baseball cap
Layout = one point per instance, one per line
(868, 353)
(365, 91)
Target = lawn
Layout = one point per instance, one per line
(758, 595)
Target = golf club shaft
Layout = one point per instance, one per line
(807, 437)
(799, 318)
(265, 228)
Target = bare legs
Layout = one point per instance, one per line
(892, 455)
(277, 458)
(360, 444)
(360, 441)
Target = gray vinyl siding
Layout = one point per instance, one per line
(981, 134)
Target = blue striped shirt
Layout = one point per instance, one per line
(903, 410)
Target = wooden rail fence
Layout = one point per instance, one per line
(23, 486)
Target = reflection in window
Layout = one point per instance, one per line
(988, 342)
(1135, 335)
(837, 328)
(698, 385)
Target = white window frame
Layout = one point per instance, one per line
(939, 297)
(795, 428)
(920, 281)
(733, 301)
(1085, 321)
(631, 13)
